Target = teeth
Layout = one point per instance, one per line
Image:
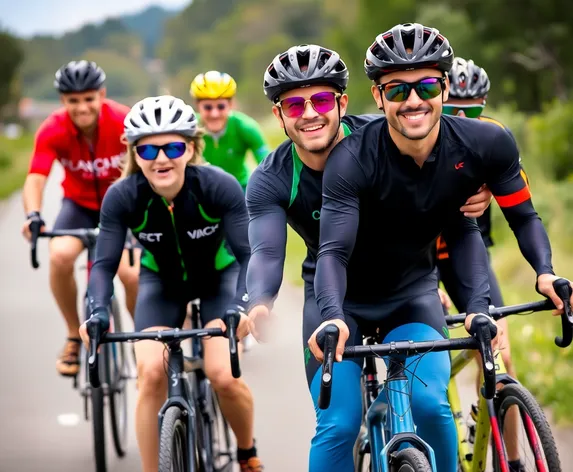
(313, 128)
(415, 117)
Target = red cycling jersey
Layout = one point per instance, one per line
(58, 138)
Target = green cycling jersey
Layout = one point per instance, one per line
(228, 149)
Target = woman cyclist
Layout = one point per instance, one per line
(183, 214)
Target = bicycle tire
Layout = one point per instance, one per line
(409, 460)
(518, 395)
(362, 462)
(220, 437)
(117, 375)
(173, 447)
(97, 397)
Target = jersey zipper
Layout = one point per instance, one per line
(170, 208)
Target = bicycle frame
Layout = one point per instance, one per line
(392, 410)
(179, 394)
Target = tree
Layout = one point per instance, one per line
(10, 59)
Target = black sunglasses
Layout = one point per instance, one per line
(209, 107)
(426, 89)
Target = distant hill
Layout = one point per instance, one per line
(148, 25)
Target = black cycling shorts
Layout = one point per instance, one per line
(417, 303)
(74, 216)
(164, 303)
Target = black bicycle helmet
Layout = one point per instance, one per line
(302, 66)
(468, 80)
(406, 47)
(79, 76)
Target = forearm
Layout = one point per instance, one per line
(33, 191)
(330, 287)
(535, 246)
(470, 265)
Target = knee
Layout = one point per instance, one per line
(129, 277)
(337, 428)
(152, 379)
(62, 259)
(218, 372)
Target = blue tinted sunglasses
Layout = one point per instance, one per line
(149, 152)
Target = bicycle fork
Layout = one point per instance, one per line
(392, 408)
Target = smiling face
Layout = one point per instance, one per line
(84, 107)
(164, 173)
(214, 113)
(415, 116)
(311, 116)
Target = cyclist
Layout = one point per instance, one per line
(469, 86)
(84, 136)
(183, 214)
(389, 190)
(306, 85)
(229, 133)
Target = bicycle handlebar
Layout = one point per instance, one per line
(88, 236)
(166, 336)
(327, 339)
(562, 288)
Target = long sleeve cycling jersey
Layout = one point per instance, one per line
(382, 213)
(283, 190)
(185, 242)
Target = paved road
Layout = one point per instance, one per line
(41, 427)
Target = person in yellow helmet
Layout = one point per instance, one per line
(230, 133)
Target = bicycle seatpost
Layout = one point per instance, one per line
(563, 290)
(327, 339)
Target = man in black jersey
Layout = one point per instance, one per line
(306, 85)
(389, 190)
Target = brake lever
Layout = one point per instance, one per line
(327, 339)
(94, 332)
(35, 230)
(563, 290)
(232, 322)
(483, 337)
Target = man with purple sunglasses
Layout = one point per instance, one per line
(306, 85)
(389, 190)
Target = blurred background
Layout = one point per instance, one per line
(149, 48)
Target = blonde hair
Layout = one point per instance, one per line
(129, 165)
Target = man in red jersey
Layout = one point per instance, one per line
(85, 137)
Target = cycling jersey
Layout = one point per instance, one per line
(483, 221)
(184, 243)
(228, 149)
(382, 213)
(283, 189)
(58, 138)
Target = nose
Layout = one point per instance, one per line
(414, 100)
(162, 157)
(461, 113)
(309, 111)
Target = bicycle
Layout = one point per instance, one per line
(390, 440)
(510, 394)
(187, 418)
(115, 368)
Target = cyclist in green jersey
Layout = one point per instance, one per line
(230, 133)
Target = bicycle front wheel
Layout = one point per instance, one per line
(98, 424)
(117, 375)
(173, 443)
(409, 460)
(516, 406)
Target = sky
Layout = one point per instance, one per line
(26, 18)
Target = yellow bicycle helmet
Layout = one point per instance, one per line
(213, 85)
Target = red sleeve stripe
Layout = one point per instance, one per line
(513, 199)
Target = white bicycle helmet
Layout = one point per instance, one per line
(159, 115)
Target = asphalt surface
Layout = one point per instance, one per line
(41, 415)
